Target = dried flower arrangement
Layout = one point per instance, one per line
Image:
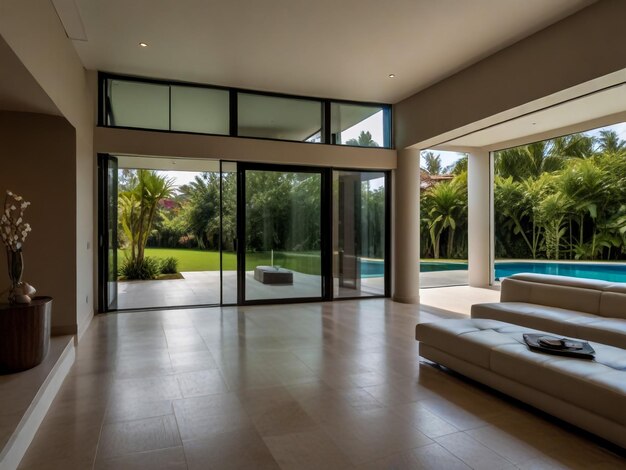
(14, 231)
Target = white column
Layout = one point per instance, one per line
(406, 227)
(479, 184)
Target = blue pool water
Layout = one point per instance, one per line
(605, 272)
(375, 268)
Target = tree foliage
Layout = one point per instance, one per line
(364, 140)
(563, 198)
(138, 206)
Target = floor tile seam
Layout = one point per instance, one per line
(480, 444)
(442, 419)
(95, 454)
(541, 454)
(133, 454)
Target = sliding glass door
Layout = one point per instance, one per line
(360, 241)
(193, 232)
(283, 247)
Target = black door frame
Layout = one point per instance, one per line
(326, 290)
(326, 221)
(106, 162)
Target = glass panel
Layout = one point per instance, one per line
(560, 206)
(443, 219)
(138, 104)
(282, 235)
(229, 233)
(279, 118)
(202, 110)
(169, 242)
(111, 194)
(361, 125)
(358, 233)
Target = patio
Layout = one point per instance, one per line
(203, 288)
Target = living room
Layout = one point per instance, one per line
(329, 379)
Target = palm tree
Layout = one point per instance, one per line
(364, 140)
(530, 161)
(444, 206)
(457, 167)
(610, 143)
(527, 161)
(138, 208)
(572, 146)
(432, 163)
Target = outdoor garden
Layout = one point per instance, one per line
(167, 228)
(560, 199)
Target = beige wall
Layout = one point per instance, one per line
(38, 160)
(34, 32)
(582, 47)
(136, 142)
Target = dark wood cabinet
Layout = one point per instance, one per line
(24, 334)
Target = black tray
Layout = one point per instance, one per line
(584, 351)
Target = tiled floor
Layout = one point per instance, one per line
(310, 386)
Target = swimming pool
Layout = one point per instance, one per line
(376, 268)
(590, 270)
(605, 272)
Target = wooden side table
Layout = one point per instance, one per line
(24, 334)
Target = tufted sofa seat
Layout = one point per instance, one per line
(581, 308)
(590, 394)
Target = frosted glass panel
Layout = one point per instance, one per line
(279, 118)
(202, 110)
(138, 104)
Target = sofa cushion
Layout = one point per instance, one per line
(613, 302)
(551, 295)
(556, 320)
(568, 281)
(476, 334)
(598, 386)
(611, 331)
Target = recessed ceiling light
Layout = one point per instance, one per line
(143, 44)
(392, 75)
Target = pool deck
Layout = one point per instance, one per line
(446, 290)
(203, 288)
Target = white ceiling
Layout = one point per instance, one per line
(329, 48)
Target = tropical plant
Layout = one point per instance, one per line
(138, 208)
(610, 143)
(444, 207)
(168, 265)
(147, 268)
(364, 140)
(431, 163)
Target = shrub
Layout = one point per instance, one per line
(148, 269)
(169, 265)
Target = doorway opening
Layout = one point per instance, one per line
(189, 232)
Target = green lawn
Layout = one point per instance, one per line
(202, 260)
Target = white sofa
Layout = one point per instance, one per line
(490, 348)
(580, 308)
(588, 394)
